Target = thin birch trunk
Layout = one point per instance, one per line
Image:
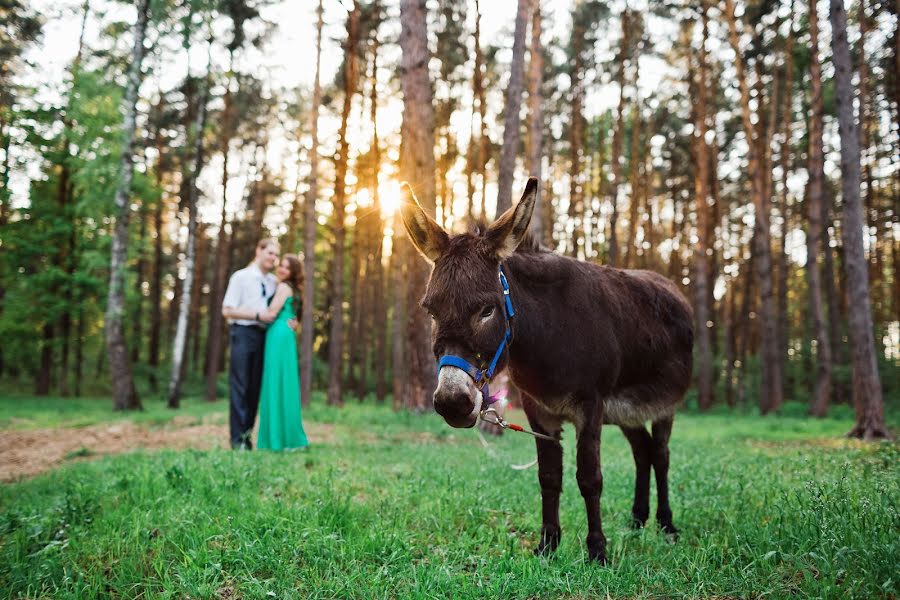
(125, 396)
(179, 345)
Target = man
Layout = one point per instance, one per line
(246, 299)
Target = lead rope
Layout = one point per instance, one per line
(502, 423)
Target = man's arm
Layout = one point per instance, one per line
(231, 303)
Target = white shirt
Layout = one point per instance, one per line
(249, 288)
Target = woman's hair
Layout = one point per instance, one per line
(295, 279)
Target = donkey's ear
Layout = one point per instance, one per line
(428, 237)
(506, 233)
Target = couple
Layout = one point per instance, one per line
(261, 308)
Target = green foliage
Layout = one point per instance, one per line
(394, 505)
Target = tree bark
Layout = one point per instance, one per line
(536, 117)
(785, 159)
(309, 228)
(616, 154)
(576, 141)
(399, 367)
(335, 344)
(378, 300)
(633, 172)
(215, 333)
(822, 385)
(418, 167)
(701, 262)
(772, 393)
(868, 402)
(137, 325)
(124, 394)
(45, 366)
(511, 121)
(180, 342)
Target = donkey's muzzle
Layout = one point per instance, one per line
(456, 397)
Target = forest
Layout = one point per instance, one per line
(748, 150)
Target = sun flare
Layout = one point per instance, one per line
(389, 195)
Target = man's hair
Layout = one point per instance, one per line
(261, 244)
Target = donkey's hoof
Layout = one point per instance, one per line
(670, 531)
(549, 541)
(596, 546)
(637, 521)
(597, 555)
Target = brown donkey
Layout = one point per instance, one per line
(584, 343)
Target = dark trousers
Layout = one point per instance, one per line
(247, 346)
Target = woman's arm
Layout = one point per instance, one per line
(281, 295)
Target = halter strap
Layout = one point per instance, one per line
(486, 374)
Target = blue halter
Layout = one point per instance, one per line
(486, 374)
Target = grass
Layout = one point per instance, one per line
(399, 505)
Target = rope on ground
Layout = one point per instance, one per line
(493, 454)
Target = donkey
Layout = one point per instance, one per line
(587, 344)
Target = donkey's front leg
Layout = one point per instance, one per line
(550, 469)
(589, 476)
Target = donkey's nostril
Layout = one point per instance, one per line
(454, 407)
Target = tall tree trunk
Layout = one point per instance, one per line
(353, 337)
(868, 402)
(772, 393)
(536, 116)
(397, 267)
(378, 299)
(45, 366)
(576, 141)
(215, 334)
(79, 346)
(309, 228)
(511, 122)
(200, 263)
(124, 394)
(335, 343)
(137, 325)
(822, 386)
(633, 172)
(156, 295)
(179, 346)
(417, 165)
(478, 90)
(786, 163)
(616, 154)
(701, 262)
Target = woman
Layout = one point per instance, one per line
(280, 421)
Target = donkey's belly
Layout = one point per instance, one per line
(622, 410)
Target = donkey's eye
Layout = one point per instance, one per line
(487, 312)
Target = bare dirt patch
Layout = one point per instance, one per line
(31, 452)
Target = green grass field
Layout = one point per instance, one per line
(399, 505)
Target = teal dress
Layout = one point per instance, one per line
(280, 421)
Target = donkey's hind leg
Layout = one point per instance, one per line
(642, 449)
(662, 430)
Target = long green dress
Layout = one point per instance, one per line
(280, 421)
